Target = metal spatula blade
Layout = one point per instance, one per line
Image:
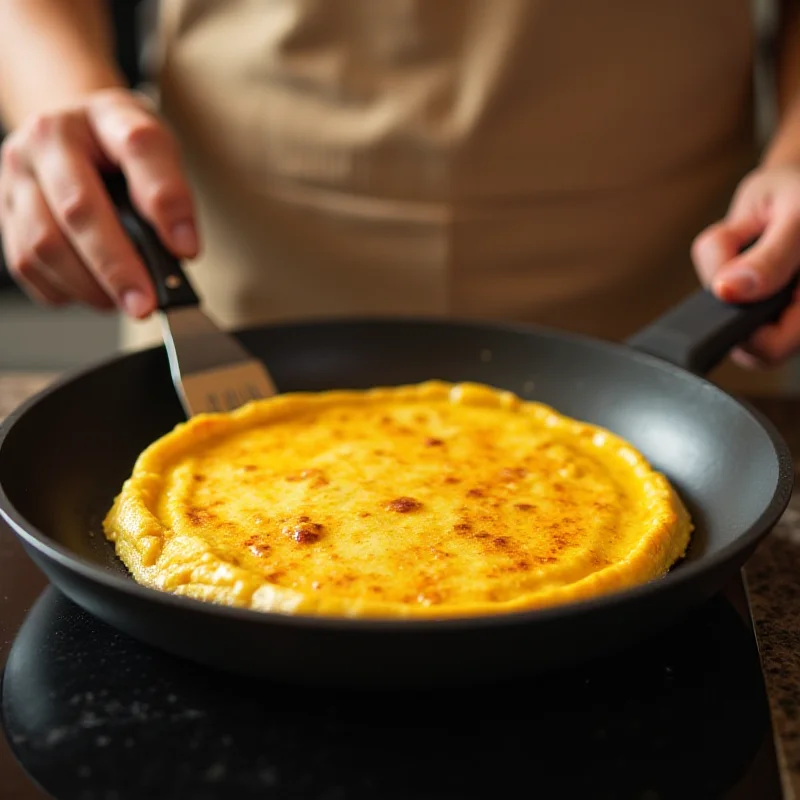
(211, 369)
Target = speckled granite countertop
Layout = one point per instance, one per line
(773, 580)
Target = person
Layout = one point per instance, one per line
(527, 160)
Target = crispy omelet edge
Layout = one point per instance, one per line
(162, 559)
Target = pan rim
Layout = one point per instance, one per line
(685, 574)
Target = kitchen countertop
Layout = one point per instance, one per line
(773, 581)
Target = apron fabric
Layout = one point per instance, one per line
(526, 160)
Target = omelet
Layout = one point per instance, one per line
(431, 500)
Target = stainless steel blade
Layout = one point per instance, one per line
(210, 368)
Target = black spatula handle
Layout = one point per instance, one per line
(173, 289)
(701, 331)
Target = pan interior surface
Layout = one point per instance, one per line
(66, 455)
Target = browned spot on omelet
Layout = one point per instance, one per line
(510, 474)
(199, 516)
(303, 531)
(257, 547)
(433, 442)
(404, 505)
(307, 533)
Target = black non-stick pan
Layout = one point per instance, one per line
(65, 454)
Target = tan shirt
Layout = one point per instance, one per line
(533, 160)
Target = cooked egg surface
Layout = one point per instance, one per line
(416, 501)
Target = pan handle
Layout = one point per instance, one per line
(699, 332)
(173, 289)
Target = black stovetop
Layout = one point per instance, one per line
(92, 714)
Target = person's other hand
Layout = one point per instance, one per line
(766, 208)
(62, 240)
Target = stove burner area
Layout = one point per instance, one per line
(90, 713)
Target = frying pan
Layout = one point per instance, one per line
(66, 452)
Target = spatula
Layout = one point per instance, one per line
(211, 370)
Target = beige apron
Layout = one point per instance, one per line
(544, 161)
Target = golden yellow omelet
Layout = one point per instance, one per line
(417, 501)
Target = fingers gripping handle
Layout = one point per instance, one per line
(173, 289)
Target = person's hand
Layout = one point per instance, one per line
(62, 240)
(766, 208)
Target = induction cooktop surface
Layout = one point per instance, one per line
(90, 713)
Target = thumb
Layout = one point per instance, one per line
(765, 267)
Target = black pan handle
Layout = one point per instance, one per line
(699, 333)
(173, 289)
